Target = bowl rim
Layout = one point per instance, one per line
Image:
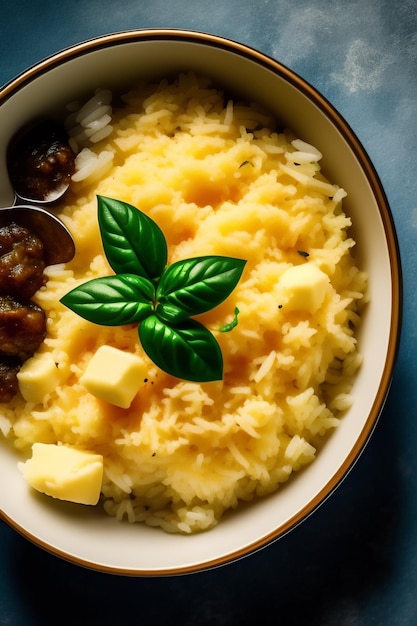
(289, 75)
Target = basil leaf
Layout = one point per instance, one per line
(170, 314)
(199, 284)
(112, 300)
(132, 241)
(160, 298)
(188, 350)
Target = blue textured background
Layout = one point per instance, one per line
(354, 562)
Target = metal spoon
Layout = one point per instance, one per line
(32, 214)
(58, 241)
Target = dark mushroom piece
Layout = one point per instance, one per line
(9, 386)
(22, 327)
(22, 261)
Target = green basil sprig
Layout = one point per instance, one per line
(160, 298)
(226, 328)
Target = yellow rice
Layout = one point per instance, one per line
(218, 178)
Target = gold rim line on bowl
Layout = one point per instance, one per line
(243, 50)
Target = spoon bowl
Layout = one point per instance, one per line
(50, 199)
(39, 164)
(58, 241)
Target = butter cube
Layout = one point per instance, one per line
(304, 287)
(114, 376)
(64, 472)
(37, 377)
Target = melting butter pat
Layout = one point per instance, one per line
(114, 376)
(37, 377)
(304, 287)
(64, 472)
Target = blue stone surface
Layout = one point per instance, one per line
(354, 561)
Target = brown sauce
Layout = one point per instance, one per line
(22, 322)
(40, 161)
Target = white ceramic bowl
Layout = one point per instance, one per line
(87, 536)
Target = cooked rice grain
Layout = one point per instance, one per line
(218, 178)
